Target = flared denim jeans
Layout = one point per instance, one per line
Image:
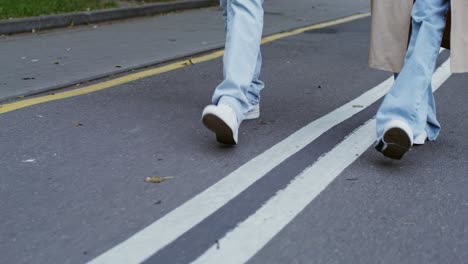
(410, 99)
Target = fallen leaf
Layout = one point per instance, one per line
(156, 179)
(189, 62)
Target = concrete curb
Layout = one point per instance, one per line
(82, 18)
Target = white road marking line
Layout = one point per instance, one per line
(250, 236)
(239, 245)
(165, 230)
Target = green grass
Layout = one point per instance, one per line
(28, 8)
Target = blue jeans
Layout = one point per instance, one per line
(242, 58)
(411, 99)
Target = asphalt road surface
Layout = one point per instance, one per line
(32, 63)
(303, 186)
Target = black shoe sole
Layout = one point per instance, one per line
(397, 143)
(223, 132)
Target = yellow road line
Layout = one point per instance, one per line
(5, 108)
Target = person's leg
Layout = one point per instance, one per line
(432, 124)
(410, 100)
(430, 130)
(242, 58)
(238, 96)
(253, 92)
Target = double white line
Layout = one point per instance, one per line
(250, 236)
(240, 245)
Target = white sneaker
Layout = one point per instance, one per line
(222, 120)
(253, 113)
(397, 139)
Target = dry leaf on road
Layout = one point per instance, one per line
(156, 179)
